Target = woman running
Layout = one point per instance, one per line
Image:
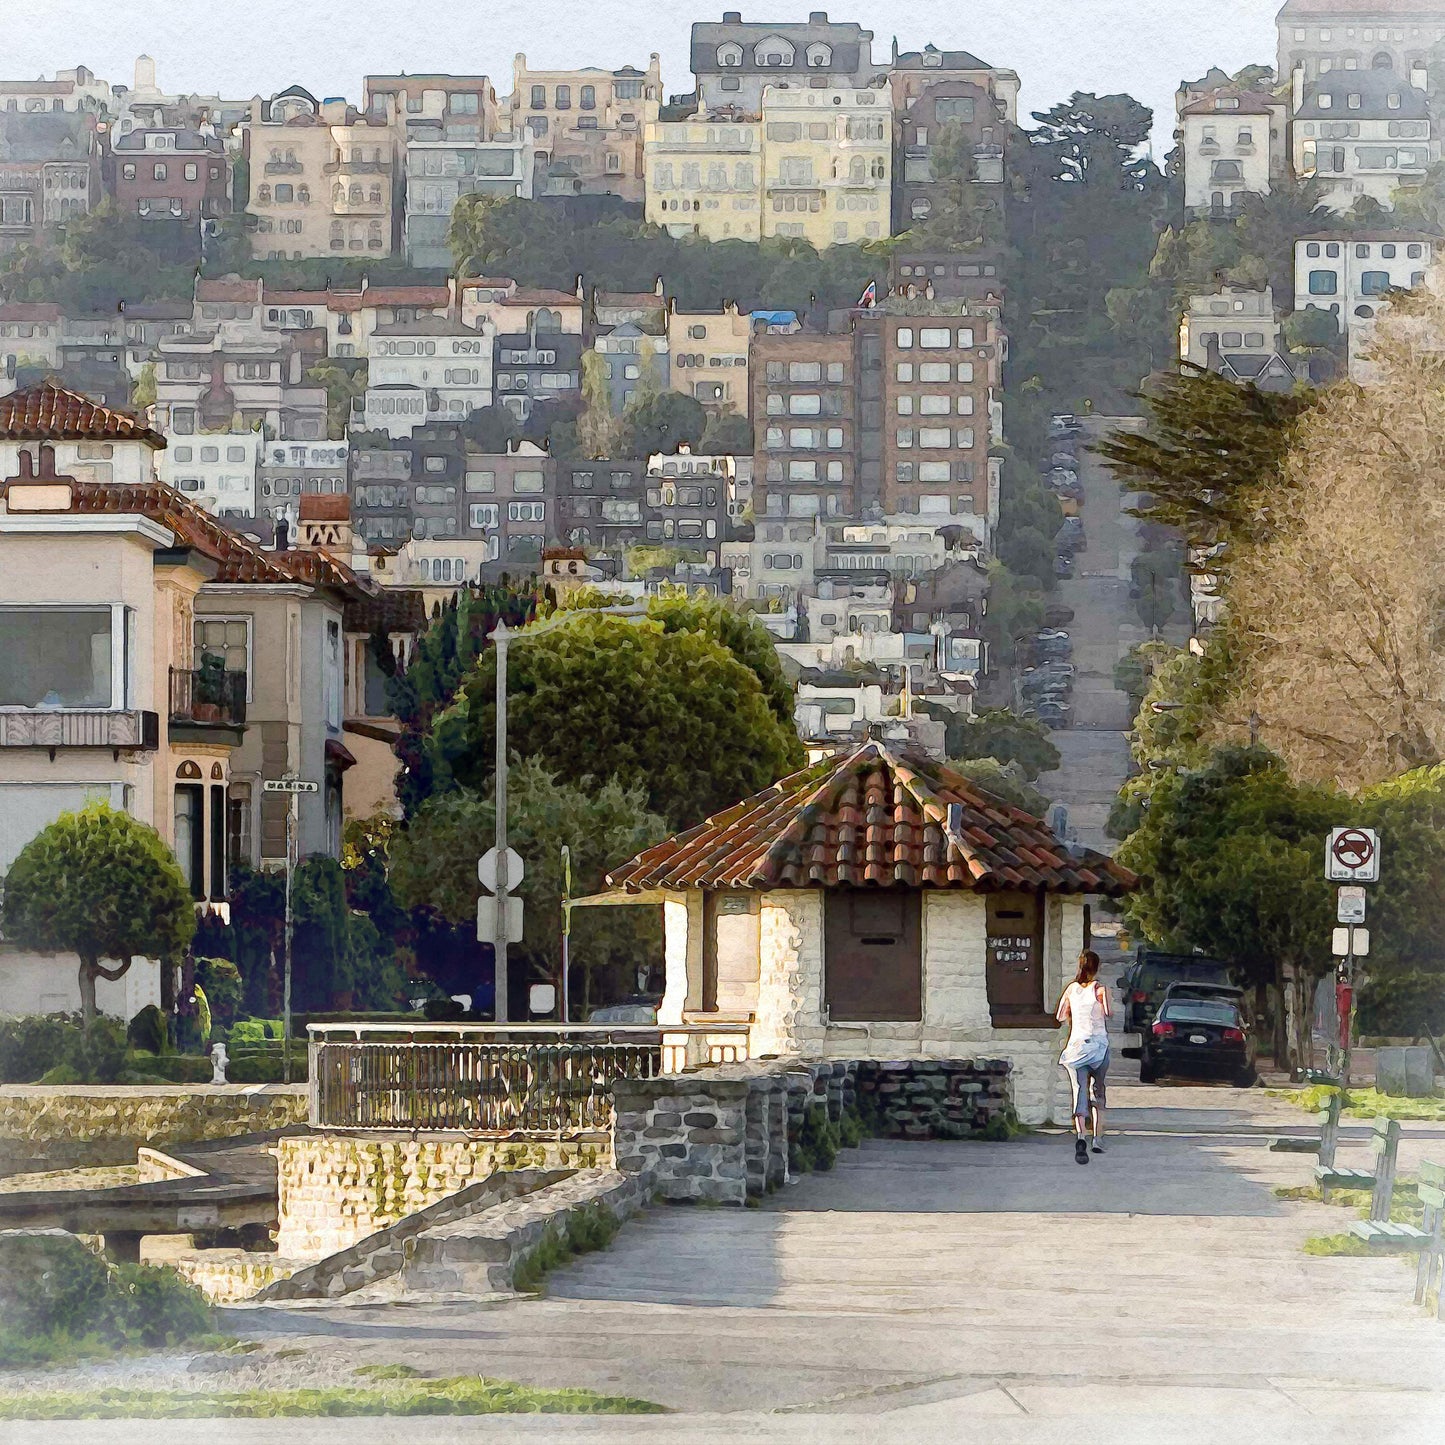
(1085, 1005)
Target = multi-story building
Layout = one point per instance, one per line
(537, 366)
(49, 172)
(322, 177)
(218, 471)
(379, 482)
(73, 91)
(1324, 36)
(687, 500)
(172, 177)
(918, 124)
(911, 72)
(827, 164)
(508, 500)
(290, 470)
(704, 177)
(511, 308)
(709, 352)
(600, 505)
(733, 62)
(1233, 142)
(94, 359)
(590, 122)
(30, 335)
(1234, 331)
(1361, 133)
(804, 410)
(1350, 275)
(145, 106)
(630, 359)
(946, 276)
(449, 129)
(441, 363)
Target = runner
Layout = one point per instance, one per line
(1085, 1005)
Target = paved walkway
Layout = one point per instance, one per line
(1160, 1291)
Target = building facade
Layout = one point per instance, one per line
(704, 177)
(709, 351)
(1323, 36)
(1234, 145)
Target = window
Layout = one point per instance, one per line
(526, 511)
(1387, 252)
(903, 338)
(1374, 283)
(484, 515)
(1414, 251)
(805, 404)
(904, 437)
(1325, 102)
(190, 835)
(528, 483)
(1323, 283)
(935, 338)
(729, 56)
(934, 405)
(160, 170)
(225, 637)
(905, 406)
(564, 97)
(904, 371)
(539, 97)
(805, 371)
(935, 437)
(1254, 339)
(191, 172)
(801, 471)
(55, 657)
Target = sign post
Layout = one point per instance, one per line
(1352, 858)
(293, 787)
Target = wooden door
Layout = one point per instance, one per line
(873, 955)
(1015, 970)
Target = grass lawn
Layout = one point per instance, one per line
(1366, 1103)
(460, 1395)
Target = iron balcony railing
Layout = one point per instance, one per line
(515, 1079)
(207, 698)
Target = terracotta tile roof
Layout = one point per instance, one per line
(227, 288)
(320, 569)
(51, 413)
(392, 609)
(29, 311)
(541, 296)
(406, 296)
(873, 817)
(324, 507)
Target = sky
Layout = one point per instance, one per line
(239, 48)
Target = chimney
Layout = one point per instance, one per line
(145, 73)
(817, 17)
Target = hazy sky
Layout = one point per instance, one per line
(238, 48)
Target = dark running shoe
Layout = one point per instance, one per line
(1098, 1146)
(1081, 1152)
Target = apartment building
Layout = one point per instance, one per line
(75, 91)
(733, 62)
(508, 500)
(537, 366)
(704, 176)
(30, 333)
(687, 497)
(709, 351)
(217, 471)
(1234, 331)
(49, 172)
(451, 133)
(289, 470)
(323, 179)
(1234, 145)
(511, 308)
(601, 505)
(629, 360)
(590, 122)
(1323, 36)
(918, 124)
(145, 106)
(911, 72)
(432, 369)
(827, 164)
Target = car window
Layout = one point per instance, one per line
(1155, 976)
(1200, 1011)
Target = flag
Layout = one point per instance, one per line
(870, 295)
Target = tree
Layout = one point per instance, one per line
(966, 215)
(344, 380)
(1015, 608)
(1003, 780)
(492, 428)
(662, 421)
(1003, 735)
(434, 864)
(1338, 610)
(1029, 553)
(1156, 576)
(99, 884)
(727, 434)
(672, 712)
(1210, 460)
(1094, 140)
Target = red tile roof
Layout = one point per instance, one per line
(316, 507)
(227, 288)
(29, 311)
(874, 817)
(406, 296)
(540, 296)
(51, 413)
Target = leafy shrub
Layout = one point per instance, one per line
(36, 1046)
(818, 1139)
(851, 1129)
(264, 1066)
(170, 1068)
(255, 1031)
(148, 1031)
(221, 980)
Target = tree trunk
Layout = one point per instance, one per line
(88, 969)
(1281, 1034)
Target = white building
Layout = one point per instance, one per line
(445, 364)
(1349, 274)
(217, 470)
(1233, 142)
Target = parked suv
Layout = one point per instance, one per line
(1145, 982)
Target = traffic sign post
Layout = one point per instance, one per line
(1352, 857)
(1349, 904)
(487, 870)
(293, 787)
(511, 919)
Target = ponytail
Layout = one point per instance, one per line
(1088, 967)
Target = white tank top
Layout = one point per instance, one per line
(1086, 1013)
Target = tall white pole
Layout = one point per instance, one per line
(499, 934)
(291, 831)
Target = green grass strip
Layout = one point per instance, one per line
(460, 1395)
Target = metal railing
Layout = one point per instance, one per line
(527, 1079)
(208, 698)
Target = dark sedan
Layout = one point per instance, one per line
(1199, 1038)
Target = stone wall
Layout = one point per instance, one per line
(790, 973)
(722, 1135)
(67, 1126)
(335, 1189)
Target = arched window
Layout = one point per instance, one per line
(263, 195)
(774, 52)
(729, 55)
(857, 171)
(354, 195)
(1382, 61)
(376, 195)
(819, 56)
(338, 193)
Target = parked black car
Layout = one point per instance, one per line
(1145, 982)
(1206, 1038)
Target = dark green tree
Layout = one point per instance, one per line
(727, 434)
(1003, 780)
(662, 421)
(100, 885)
(492, 428)
(1003, 735)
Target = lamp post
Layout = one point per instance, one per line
(501, 636)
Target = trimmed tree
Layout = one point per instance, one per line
(101, 885)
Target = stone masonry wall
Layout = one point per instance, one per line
(790, 976)
(335, 1189)
(68, 1126)
(722, 1135)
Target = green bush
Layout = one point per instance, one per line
(58, 1299)
(148, 1031)
(168, 1068)
(818, 1139)
(36, 1046)
(221, 980)
(264, 1066)
(255, 1031)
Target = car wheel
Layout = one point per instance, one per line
(1148, 1074)
(1247, 1080)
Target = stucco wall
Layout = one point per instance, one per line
(43, 983)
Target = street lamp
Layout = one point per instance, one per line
(501, 636)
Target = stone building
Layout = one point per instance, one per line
(877, 905)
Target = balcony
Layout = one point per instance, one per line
(80, 728)
(207, 704)
(360, 168)
(283, 168)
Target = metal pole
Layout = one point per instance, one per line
(286, 980)
(566, 925)
(1346, 1013)
(499, 929)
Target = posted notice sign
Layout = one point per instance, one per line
(1353, 856)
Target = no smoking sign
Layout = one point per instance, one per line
(1353, 856)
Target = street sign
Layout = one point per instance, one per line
(542, 999)
(487, 870)
(1350, 904)
(487, 917)
(1347, 942)
(1353, 856)
(289, 785)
